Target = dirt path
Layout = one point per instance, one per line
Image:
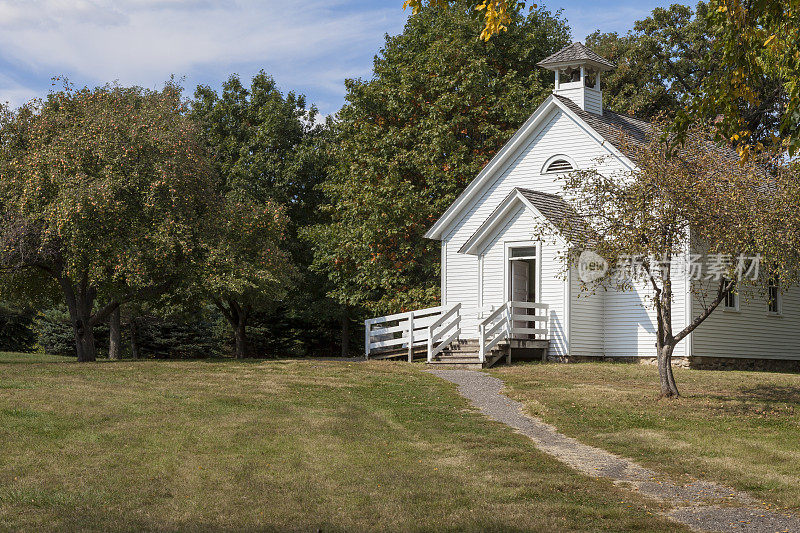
(701, 505)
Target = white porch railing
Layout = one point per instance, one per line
(401, 330)
(447, 327)
(438, 327)
(511, 321)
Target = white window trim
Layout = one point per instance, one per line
(552, 158)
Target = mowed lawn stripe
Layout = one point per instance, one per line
(286, 445)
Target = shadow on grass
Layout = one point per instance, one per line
(772, 393)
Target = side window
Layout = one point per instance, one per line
(774, 296)
(731, 301)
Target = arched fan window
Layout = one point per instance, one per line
(558, 166)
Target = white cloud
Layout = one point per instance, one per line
(311, 46)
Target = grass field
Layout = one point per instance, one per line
(223, 445)
(740, 428)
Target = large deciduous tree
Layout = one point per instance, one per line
(642, 221)
(663, 64)
(439, 105)
(104, 193)
(754, 43)
(660, 62)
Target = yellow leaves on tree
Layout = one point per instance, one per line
(496, 13)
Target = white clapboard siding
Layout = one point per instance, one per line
(593, 102)
(590, 100)
(558, 133)
(630, 320)
(587, 317)
(751, 332)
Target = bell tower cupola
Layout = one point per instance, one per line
(578, 72)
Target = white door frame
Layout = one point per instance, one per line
(507, 246)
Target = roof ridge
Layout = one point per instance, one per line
(605, 111)
(525, 189)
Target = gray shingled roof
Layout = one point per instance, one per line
(575, 52)
(613, 126)
(556, 210)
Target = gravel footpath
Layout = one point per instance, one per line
(701, 505)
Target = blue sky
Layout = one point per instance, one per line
(143, 42)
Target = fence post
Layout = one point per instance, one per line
(430, 344)
(366, 338)
(411, 337)
(482, 342)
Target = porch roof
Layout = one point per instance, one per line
(553, 209)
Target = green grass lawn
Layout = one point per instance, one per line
(287, 445)
(739, 428)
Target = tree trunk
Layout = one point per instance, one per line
(81, 314)
(84, 341)
(345, 321)
(668, 387)
(237, 316)
(134, 338)
(242, 344)
(115, 336)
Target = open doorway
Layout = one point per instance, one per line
(522, 279)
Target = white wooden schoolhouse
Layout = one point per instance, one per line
(504, 290)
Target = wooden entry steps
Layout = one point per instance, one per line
(464, 354)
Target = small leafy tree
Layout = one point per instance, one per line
(247, 265)
(103, 194)
(698, 195)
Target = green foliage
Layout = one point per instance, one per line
(16, 334)
(160, 338)
(756, 47)
(660, 62)
(106, 191)
(246, 259)
(111, 178)
(266, 149)
(54, 334)
(439, 105)
(253, 135)
(663, 63)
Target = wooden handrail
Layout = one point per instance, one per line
(417, 313)
(493, 315)
(412, 326)
(433, 336)
(491, 335)
(438, 322)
